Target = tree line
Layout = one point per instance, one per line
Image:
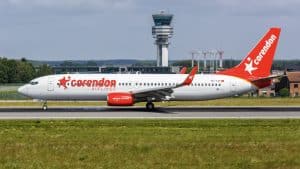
(21, 71)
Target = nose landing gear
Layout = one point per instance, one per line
(45, 107)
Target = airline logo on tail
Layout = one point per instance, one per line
(259, 60)
(265, 49)
(249, 66)
(268, 44)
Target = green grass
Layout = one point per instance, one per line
(220, 102)
(11, 95)
(9, 92)
(240, 144)
(240, 101)
(10, 87)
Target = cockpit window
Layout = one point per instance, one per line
(34, 82)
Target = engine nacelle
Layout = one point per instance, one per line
(120, 99)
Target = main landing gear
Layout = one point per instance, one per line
(150, 106)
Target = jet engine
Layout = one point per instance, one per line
(120, 99)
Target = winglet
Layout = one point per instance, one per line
(183, 70)
(190, 77)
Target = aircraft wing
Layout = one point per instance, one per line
(161, 93)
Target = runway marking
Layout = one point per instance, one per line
(160, 113)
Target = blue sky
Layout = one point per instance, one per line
(121, 29)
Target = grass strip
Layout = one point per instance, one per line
(240, 144)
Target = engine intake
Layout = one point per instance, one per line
(120, 99)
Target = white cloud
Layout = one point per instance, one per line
(70, 4)
(262, 3)
(266, 7)
(239, 7)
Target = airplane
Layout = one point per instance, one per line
(183, 70)
(127, 89)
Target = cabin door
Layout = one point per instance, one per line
(234, 87)
(50, 85)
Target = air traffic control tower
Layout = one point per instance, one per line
(162, 31)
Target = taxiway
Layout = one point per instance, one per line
(160, 113)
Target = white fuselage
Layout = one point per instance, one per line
(90, 86)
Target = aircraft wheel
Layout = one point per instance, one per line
(150, 106)
(45, 107)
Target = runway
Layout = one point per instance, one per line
(159, 113)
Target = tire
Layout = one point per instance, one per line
(150, 106)
(45, 108)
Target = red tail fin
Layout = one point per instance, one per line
(258, 62)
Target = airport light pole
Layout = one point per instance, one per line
(221, 52)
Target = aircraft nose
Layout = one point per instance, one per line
(23, 90)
